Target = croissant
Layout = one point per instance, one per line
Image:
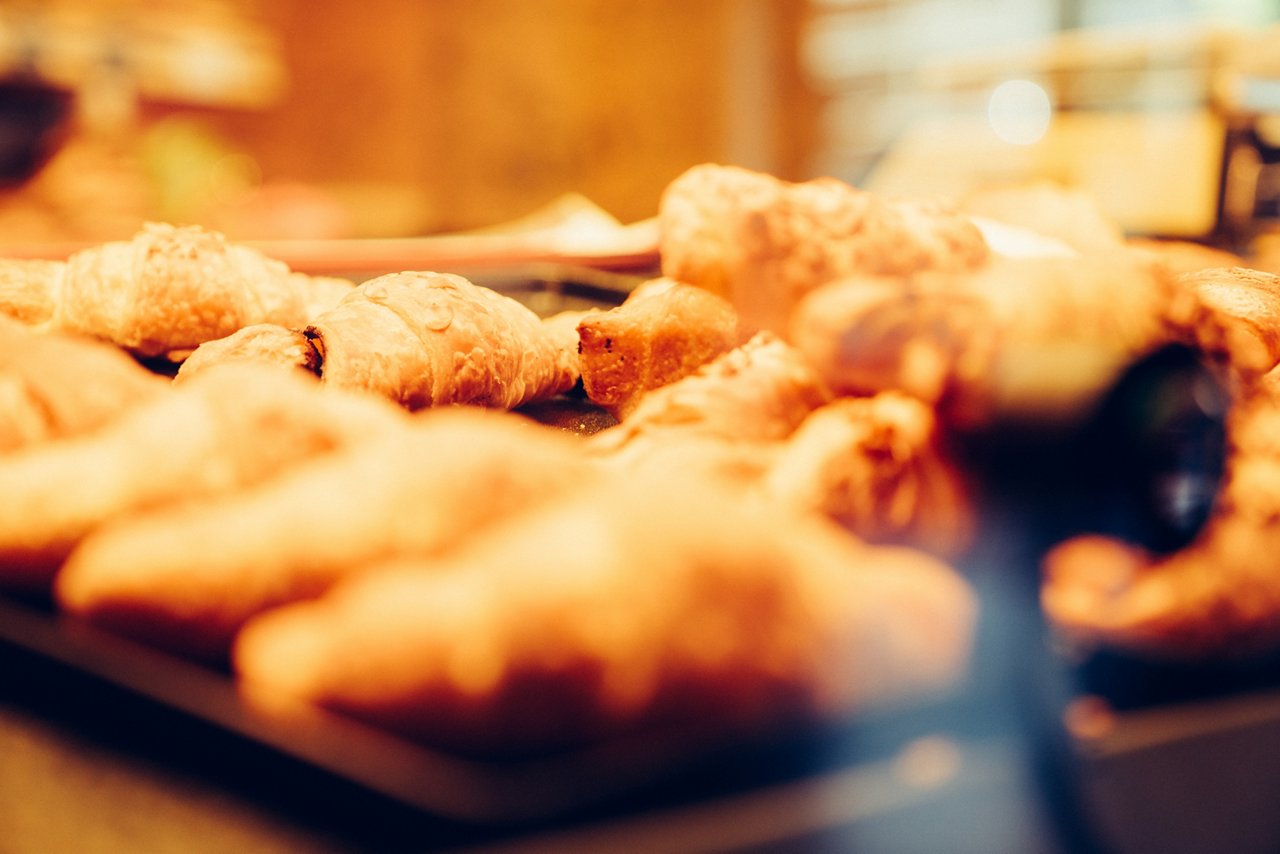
(723, 418)
(878, 466)
(1245, 323)
(173, 577)
(663, 331)
(1216, 599)
(763, 243)
(1034, 338)
(165, 291)
(56, 385)
(421, 339)
(236, 426)
(684, 603)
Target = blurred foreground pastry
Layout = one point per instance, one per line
(1218, 598)
(237, 426)
(1038, 338)
(634, 603)
(763, 243)
(57, 385)
(879, 467)
(186, 577)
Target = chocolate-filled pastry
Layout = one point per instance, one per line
(421, 339)
(663, 331)
(167, 290)
(54, 385)
(173, 577)
(634, 602)
(264, 343)
(235, 426)
(763, 243)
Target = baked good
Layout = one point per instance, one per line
(165, 291)
(1031, 338)
(762, 243)
(263, 343)
(663, 331)
(880, 467)
(421, 339)
(1244, 326)
(57, 385)
(238, 425)
(724, 418)
(636, 602)
(1216, 599)
(175, 578)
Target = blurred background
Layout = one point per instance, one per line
(322, 119)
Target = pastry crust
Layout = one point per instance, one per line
(29, 290)
(239, 425)
(879, 467)
(1025, 338)
(763, 243)
(663, 331)
(724, 419)
(1244, 321)
(54, 385)
(1216, 599)
(263, 343)
(638, 602)
(175, 578)
(428, 339)
(170, 289)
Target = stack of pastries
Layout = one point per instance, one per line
(338, 494)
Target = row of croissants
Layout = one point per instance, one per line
(337, 490)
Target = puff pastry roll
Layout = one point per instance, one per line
(174, 578)
(54, 385)
(165, 291)
(238, 425)
(636, 602)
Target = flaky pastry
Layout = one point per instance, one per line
(177, 578)
(635, 602)
(236, 426)
(763, 243)
(663, 331)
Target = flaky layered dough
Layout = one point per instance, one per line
(177, 579)
(263, 343)
(638, 601)
(1245, 316)
(663, 331)
(763, 243)
(879, 467)
(236, 426)
(421, 339)
(55, 385)
(164, 292)
(168, 289)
